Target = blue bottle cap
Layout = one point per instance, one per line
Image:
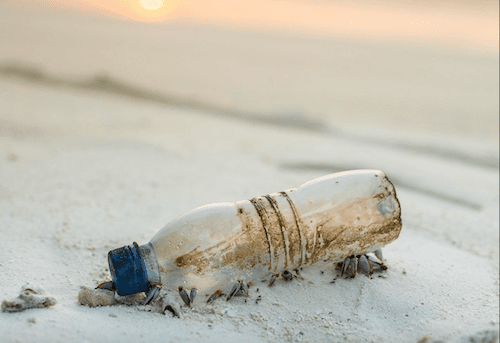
(128, 270)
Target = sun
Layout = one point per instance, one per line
(151, 10)
(151, 5)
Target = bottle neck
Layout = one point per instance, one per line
(148, 254)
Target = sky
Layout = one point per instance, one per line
(470, 25)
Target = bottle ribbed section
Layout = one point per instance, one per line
(282, 227)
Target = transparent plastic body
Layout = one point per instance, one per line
(322, 221)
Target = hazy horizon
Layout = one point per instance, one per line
(446, 24)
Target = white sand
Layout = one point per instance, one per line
(83, 171)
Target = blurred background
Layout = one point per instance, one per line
(427, 67)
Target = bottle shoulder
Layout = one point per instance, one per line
(201, 218)
(199, 228)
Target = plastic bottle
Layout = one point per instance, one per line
(213, 246)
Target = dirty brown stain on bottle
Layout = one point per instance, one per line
(275, 235)
(245, 249)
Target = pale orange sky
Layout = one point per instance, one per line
(467, 26)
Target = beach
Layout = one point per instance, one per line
(109, 129)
